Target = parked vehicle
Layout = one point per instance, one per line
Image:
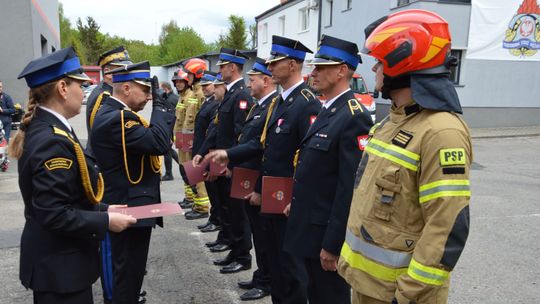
(87, 91)
(360, 90)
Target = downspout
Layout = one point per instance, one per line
(320, 20)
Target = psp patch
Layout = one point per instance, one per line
(452, 157)
(243, 104)
(58, 163)
(130, 124)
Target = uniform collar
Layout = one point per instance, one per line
(59, 116)
(262, 100)
(120, 102)
(288, 92)
(230, 85)
(328, 103)
(400, 113)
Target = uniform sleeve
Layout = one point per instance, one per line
(350, 153)
(154, 140)
(444, 194)
(312, 108)
(241, 108)
(210, 140)
(56, 182)
(10, 108)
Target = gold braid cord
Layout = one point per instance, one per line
(83, 169)
(155, 162)
(96, 107)
(268, 115)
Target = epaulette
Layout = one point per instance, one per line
(59, 131)
(308, 95)
(355, 107)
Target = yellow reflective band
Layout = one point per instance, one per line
(426, 274)
(441, 188)
(357, 261)
(394, 153)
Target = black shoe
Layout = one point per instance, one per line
(220, 248)
(107, 301)
(247, 285)
(234, 267)
(201, 226)
(195, 215)
(167, 177)
(211, 228)
(185, 204)
(142, 293)
(224, 261)
(212, 244)
(254, 294)
(141, 300)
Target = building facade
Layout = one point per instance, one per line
(28, 29)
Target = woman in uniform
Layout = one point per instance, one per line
(61, 187)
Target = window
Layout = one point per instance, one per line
(264, 33)
(53, 49)
(348, 5)
(402, 2)
(329, 12)
(455, 71)
(304, 19)
(281, 26)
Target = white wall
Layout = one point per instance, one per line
(292, 28)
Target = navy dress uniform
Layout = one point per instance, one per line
(290, 116)
(127, 148)
(61, 190)
(260, 283)
(113, 58)
(324, 179)
(230, 119)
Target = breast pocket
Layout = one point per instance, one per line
(320, 144)
(388, 190)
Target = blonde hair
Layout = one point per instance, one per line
(36, 96)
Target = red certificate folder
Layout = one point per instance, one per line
(194, 175)
(149, 211)
(178, 140)
(217, 168)
(187, 142)
(276, 194)
(243, 182)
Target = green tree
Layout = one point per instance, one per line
(178, 43)
(253, 36)
(91, 39)
(70, 36)
(236, 37)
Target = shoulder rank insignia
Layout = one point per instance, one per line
(402, 139)
(308, 94)
(58, 163)
(354, 106)
(131, 123)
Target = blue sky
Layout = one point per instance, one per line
(142, 19)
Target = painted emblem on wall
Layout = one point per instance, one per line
(522, 37)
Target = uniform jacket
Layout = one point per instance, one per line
(202, 121)
(8, 109)
(409, 217)
(59, 243)
(170, 101)
(231, 115)
(288, 124)
(193, 106)
(141, 142)
(329, 155)
(91, 101)
(180, 112)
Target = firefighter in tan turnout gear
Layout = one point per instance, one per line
(409, 218)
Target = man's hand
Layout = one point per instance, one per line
(119, 222)
(218, 156)
(196, 161)
(287, 210)
(254, 199)
(328, 261)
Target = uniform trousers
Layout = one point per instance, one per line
(261, 276)
(325, 287)
(80, 297)
(235, 222)
(287, 272)
(130, 253)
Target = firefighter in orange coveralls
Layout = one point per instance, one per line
(409, 217)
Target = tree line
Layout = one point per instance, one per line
(175, 43)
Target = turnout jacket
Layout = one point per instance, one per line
(230, 118)
(409, 217)
(324, 178)
(59, 243)
(126, 149)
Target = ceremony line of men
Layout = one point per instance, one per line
(291, 135)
